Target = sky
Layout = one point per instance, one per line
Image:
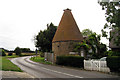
(21, 20)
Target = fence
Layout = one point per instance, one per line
(96, 65)
(49, 57)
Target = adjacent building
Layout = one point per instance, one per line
(114, 33)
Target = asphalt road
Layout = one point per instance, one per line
(48, 71)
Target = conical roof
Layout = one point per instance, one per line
(67, 29)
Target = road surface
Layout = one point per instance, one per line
(48, 71)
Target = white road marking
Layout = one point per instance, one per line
(54, 70)
(62, 73)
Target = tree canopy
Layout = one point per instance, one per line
(26, 50)
(86, 32)
(92, 41)
(97, 47)
(112, 14)
(43, 41)
(17, 51)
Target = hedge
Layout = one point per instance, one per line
(112, 53)
(74, 61)
(3, 53)
(10, 54)
(113, 62)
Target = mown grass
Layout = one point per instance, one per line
(13, 56)
(7, 65)
(40, 60)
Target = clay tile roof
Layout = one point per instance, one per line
(67, 29)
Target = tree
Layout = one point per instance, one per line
(25, 50)
(113, 20)
(98, 47)
(103, 49)
(43, 41)
(3, 52)
(93, 40)
(87, 32)
(81, 45)
(17, 51)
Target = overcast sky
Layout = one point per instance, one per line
(21, 20)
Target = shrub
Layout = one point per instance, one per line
(3, 53)
(113, 53)
(79, 46)
(113, 62)
(41, 54)
(116, 53)
(95, 56)
(74, 61)
(18, 51)
(10, 54)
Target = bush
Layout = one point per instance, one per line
(113, 53)
(113, 62)
(95, 56)
(18, 51)
(41, 54)
(3, 53)
(10, 54)
(74, 61)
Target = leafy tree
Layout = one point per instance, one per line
(80, 45)
(98, 47)
(3, 52)
(17, 51)
(43, 41)
(93, 40)
(103, 49)
(25, 50)
(112, 53)
(87, 32)
(113, 20)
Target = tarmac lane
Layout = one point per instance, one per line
(49, 71)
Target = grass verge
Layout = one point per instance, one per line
(7, 65)
(13, 56)
(40, 60)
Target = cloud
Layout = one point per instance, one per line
(20, 20)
